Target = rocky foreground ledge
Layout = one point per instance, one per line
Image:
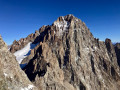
(11, 75)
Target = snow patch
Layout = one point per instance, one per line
(24, 52)
(95, 48)
(5, 75)
(62, 26)
(30, 87)
(77, 58)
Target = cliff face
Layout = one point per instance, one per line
(117, 50)
(68, 57)
(11, 76)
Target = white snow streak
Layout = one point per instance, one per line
(24, 52)
(30, 87)
(5, 75)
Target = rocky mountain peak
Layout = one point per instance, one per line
(67, 18)
(66, 56)
(65, 24)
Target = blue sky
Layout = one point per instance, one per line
(19, 18)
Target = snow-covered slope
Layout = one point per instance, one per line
(24, 52)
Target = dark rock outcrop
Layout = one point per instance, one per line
(117, 50)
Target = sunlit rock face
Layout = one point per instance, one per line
(68, 57)
(11, 76)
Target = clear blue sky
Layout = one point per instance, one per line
(18, 18)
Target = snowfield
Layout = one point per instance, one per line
(24, 52)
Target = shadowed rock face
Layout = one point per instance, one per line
(117, 50)
(11, 76)
(68, 57)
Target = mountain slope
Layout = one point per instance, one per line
(68, 57)
(11, 76)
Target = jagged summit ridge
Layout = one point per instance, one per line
(63, 23)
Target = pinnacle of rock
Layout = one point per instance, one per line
(3, 45)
